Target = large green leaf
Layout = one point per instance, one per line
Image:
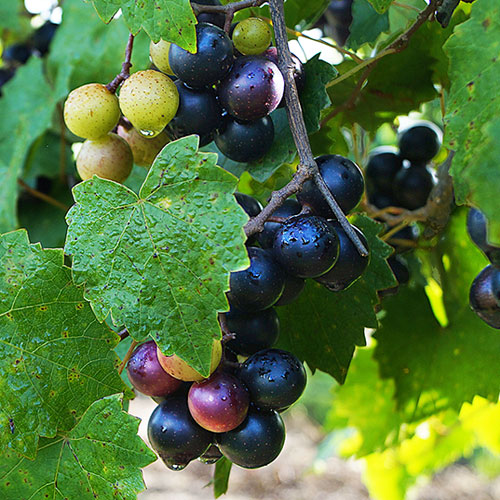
(160, 261)
(56, 358)
(473, 102)
(301, 15)
(324, 327)
(171, 20)
(10, 15)
(367, 24)
(100, 457)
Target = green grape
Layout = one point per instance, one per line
(159, 56)
(91, 111)
(149, 99)
(252, 36)
(179, 369)
(109, 157)
(144, 150)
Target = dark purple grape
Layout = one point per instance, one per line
(339, 18)
(260, 285)
(16, 54)
(198, 113)
(477, 227)
(293, 288)
(5, 76)
(344, 180)
(256, 442)
(245, 142)
(380, 200)
(306, 246)
(408, 233)
(211, 456)
(349, 266)
(290, 207)
(211, 17)
(174, 435)
(254, 331)
(401, 273)
(383, 165)
(274, 378)
(420, 143)
(412, 187)
(43, 36)
(249, 204)
(212, 61)
(484, 296)
(219, 403)
(146, 374)
(253, 88)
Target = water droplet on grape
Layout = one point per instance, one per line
(176, 467)
(149, 133)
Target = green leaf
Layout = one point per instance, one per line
(10, 15)
(381, 5)
(171, 20)
(367, 24)
(221, 476)
(472, 105)
(56, 358)
(323, 327)
(301, 15)
(160, 261)
(26, 109)
(437, 368)
(100, 457)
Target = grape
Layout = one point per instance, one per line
(274, 378)
(158, 52)
(108, 157)
(344, 180)
(149, 100)
(259, 286)
(220, 403)
(409, 233)
(43, 36)
(401, 273)
(254, 331)
(382, 167)
(212, 61)
(179, 369)
(484, 296)
(211, 456)
(293, 288)
(5, 76)
(266, 236)
(306, 246)
(16, 54)
(412, 187)
(211, 17)
(350, 264)
(146, 374)
(144, 150)
(249, 204)
(91, 111)
(477, 227)
(380, 200)
(245, 142)
(199, 113)
(252, 36)
(420, 143)
(174, 435)
(253, 88)
(339, 18)
(256, 442)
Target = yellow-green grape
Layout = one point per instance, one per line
(109, 157)
(252, 36)
(144, 150)
(179, 369)
(159, 56)
(149, 99)
(91, 111)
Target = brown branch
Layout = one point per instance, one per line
(43, 196)
(126, 65)
(123, 334)
(127, 356)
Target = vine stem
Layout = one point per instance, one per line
(43, 196)
(127, 356)
(126, 65)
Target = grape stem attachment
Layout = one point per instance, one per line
(126, 65)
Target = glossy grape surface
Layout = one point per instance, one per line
(412, 187)
(484, 296)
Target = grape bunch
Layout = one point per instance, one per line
(484, 294)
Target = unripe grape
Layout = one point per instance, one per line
(179, 369)
(91, 111)
(149, 99)
(108, 157)
(159, 55)
(252, 36)
(144, 150)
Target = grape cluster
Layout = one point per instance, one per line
(234, 412)
(400, 177)
(484, 294)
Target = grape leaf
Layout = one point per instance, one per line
(170, 20)
(367, 24)
(100, 457)
(301, 15)
(437, 367)
(160, 261)
(221, 476)
(473, 102)
(56, 358)
(323, 327)
(381, 5)
(10, 15)
(26, 109)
